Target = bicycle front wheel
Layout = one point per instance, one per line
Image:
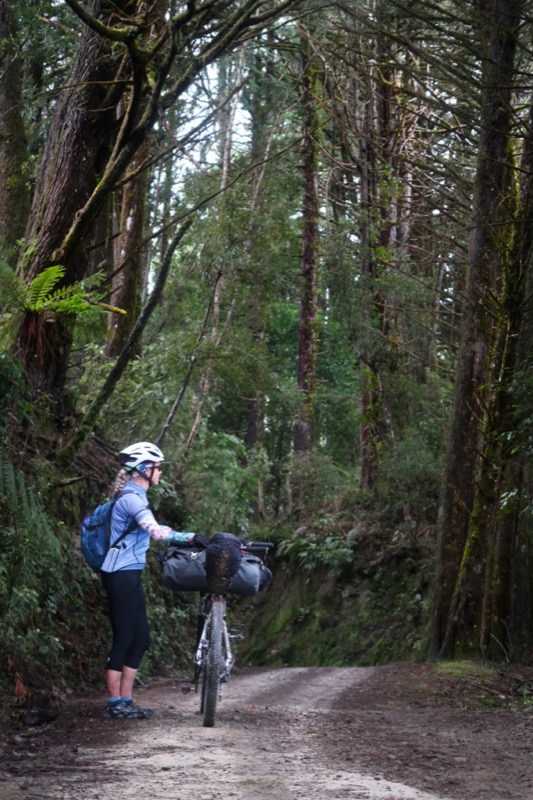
(213, 667)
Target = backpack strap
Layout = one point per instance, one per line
(131, 527)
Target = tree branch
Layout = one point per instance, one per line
(114, 34)
(68, 453)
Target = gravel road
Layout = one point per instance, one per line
(281, 734)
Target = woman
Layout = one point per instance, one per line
(122, 572)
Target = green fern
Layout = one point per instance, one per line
(12, 289)
(23, 512)
(31, 576)
(81, 299)
(8, 483)
(16, 297)
(40, 291)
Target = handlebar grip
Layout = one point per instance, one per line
(259, 547)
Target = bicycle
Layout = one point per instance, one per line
(214, 658)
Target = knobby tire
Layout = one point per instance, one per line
(213, 667)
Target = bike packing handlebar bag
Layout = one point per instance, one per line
(184, 569)
(252, 576)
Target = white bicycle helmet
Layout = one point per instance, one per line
(137, 454)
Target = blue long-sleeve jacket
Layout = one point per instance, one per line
(130, 552)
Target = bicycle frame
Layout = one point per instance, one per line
(203, 644)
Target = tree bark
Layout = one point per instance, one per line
(130, 258)
(462, 564)
(77, 149)
(14, 197)
(378, 232)
(501, 463)
(307, 348)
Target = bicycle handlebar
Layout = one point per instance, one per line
(258, 547)
(250, 547)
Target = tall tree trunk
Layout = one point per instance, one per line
(378, 236)
(307, 348)
(501, 513)
(14, 198)
(514, 611)
(130, 261)
(462, 547)
(261, 109)
(77, 149)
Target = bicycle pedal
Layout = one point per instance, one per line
(236, 633)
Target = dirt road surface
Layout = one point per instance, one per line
(400, 732)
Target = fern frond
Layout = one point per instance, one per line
(27, 515)
(42, 285)
(8, 483)
(23, 505)
(43, 296)
(63, 300)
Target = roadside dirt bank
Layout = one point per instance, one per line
(399, 732)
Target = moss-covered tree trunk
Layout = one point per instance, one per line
(504, 459)
(76, 152)
(378, 234)
(14, 197)
(468, 492)
(130, 263)
(307, 347)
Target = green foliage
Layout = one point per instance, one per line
(43, 296)
(14, 396)
(221, 486)
(311, 552)
(147, 391)
(12, 287)
(520, 435)
(373, 611)
(410, 478)
(282, 330)
(410, 467)
(337, 413)
(315, 481)
(31, 584)
(47, 50)
(41, 292)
